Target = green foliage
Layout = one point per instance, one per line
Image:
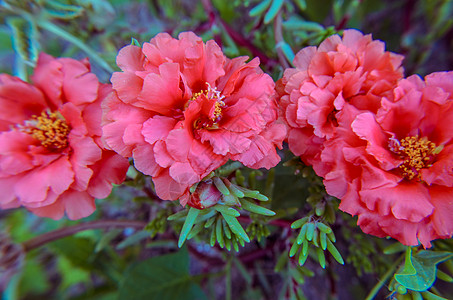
(419, 272)
(161, 277)
(319, 235)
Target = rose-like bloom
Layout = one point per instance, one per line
(394, 169)
(353, 70)
(181, 109)
(52, 160)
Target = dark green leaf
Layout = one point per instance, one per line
(419, 271)
(161, 277)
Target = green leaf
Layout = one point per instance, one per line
(24, 38)
(190, 220)
(235, 227)
(254, 208)
(273, 10)
(161, 277)
(133, 239)
(221, 186)
(310, 231)
(295, 23)
(430, 296)
(419, 272)
(287, 51)
(335, 253)
(394, 248)
(134, 42)
(260, 8)
(62, 11)
(106, 238)
(301, 4)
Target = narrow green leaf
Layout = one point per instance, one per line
(430, 296)
(302, 234)
(180, 215)
(209, 222)
(226, 210)
(226, 230)
(324, 228)
(235, 245)
(260, 8)
(235, 227)
(287, 51)
(228, 244)
(335, 253)
(219, 233)
(243, 270)
(302, 4)
(296, 24)
(221, 186)
(444, 276)
(62, 11)
(331, 237)
(302, 259)
(134, 42)
(394, 248)
(106, 238)
(281, 262)
(133, 239)
(321, 257)
(299, 223)
(293, 249)
(24, 38)
(305, 247)
(235, 190)
(190, 220)
(254, 208)
(323, 240)
(195, 230)
(213, 237)
(273, 10)
(296, 275)
(310, 231)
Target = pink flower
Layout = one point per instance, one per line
(51, 158)
(395, 169)
(353, 70)
(181, 109)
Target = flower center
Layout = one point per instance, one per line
(50, 129)
(211, 108)
(418, 153)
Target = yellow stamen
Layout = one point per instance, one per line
(212, 94)
(50, 129)
(418, 153)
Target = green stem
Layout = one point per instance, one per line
(228, 279)
(74, 40)
(384, 279)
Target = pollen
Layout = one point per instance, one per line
(50, 129)
(417, 153)
(216, 98)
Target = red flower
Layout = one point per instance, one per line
(182, 109)
(51, 158)
(353, 70)
(395, 169)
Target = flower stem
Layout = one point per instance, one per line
(74, 40)
(51, 236)
(279, 39)
(384, 279)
